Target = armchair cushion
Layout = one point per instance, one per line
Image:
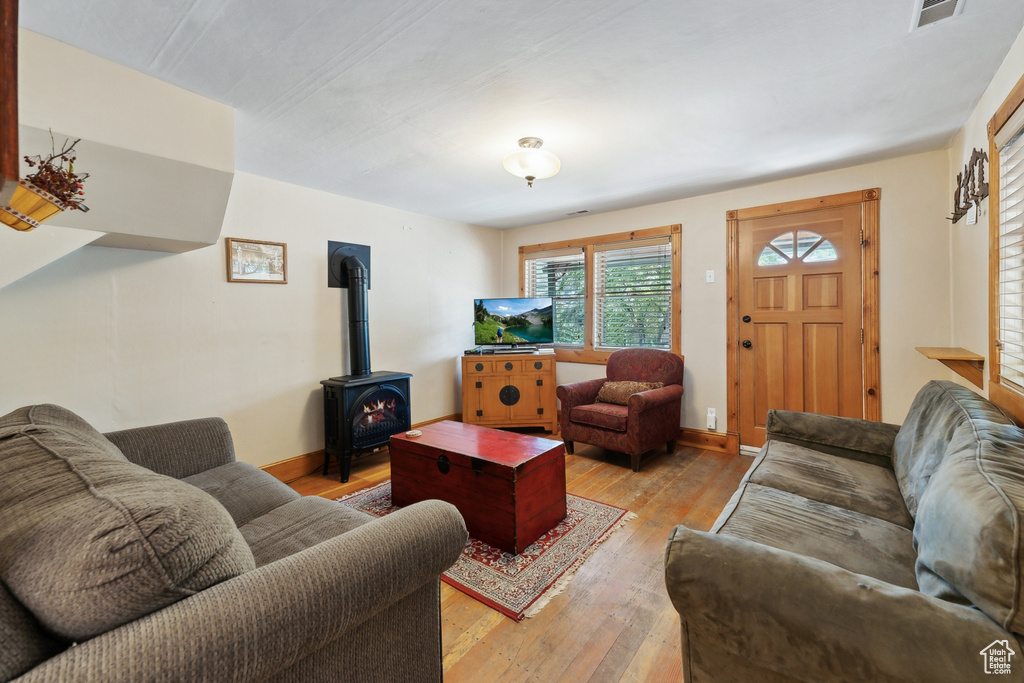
(91, 541)
(619, 392)
(604, 415)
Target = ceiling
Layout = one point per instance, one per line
(413, 104)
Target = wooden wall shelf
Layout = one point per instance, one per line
(967, 364)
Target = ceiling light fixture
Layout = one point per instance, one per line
(532, 162)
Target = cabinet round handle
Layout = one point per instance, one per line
(508, 366)
(747, 344)
(479, 367)
(538, 365)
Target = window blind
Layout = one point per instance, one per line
(560, 275)
(1011, 258)
(633, 294)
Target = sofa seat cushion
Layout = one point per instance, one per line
(298, 525)
(246, 491)
(848, 539)
(603, 415)
(968, 532)
(849, 484)
(90, 541)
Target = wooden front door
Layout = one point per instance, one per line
(799, 303)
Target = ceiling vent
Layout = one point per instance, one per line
(929, 11)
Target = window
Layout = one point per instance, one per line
(609, 292)
(1006, 247)
(810, 247)
(560, 275)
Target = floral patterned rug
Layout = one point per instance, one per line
(519, 586)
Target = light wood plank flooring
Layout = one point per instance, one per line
(615, 621)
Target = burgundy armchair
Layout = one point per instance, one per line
(648, 419)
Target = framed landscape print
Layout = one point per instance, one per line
(256, 261)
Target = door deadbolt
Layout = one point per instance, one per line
(747, 344)
(746, 318)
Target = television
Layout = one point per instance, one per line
(513, 321)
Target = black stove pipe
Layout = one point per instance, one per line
(358, 318)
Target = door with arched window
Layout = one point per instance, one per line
(799, 302)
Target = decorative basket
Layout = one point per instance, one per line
(29, 207)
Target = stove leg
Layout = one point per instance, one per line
(346, 467)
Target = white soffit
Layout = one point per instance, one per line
(413, 104)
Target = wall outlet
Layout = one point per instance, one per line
(709, 276)
(712, 419)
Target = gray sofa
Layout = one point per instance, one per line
(151, 554)
(861, 551)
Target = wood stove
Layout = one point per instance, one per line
(364, 409)
(361, 414)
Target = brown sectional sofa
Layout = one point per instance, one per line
(151, 554)
(862, 551)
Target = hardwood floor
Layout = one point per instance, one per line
(615, 621)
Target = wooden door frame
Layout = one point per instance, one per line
(871, 366)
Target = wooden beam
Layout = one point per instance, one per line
(9, 166)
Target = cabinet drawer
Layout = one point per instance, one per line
(474, 366)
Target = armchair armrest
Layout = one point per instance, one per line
(178, 449)
(266, 620)
(844, 436)
(810, 620)
(652, 398)
(578, 393)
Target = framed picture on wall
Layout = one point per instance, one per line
(256, 261)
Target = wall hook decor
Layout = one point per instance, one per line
(971, 186)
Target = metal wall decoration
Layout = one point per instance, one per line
(971, 186)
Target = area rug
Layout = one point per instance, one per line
(519, 586)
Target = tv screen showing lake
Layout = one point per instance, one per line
(538, 334)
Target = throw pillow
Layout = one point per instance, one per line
(91, 541)
(619, 392)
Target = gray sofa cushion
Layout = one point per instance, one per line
(88, 540)
(246, 491)
(842, 482)
(938, 410)
(299, 525)
(968, 532)
(23, 644)
(847, 539)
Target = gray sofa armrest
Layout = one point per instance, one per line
(270, 619)
(178, 449)
(810, 620)
(843, 436)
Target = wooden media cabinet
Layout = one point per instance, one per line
(509, 390)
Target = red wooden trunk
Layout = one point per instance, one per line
(509, 487)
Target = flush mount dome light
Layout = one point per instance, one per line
(532, 162)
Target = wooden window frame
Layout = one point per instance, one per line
(1006, 397)
(590, 354)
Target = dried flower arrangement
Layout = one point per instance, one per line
(51, 176)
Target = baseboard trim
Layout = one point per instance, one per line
(727, 442)
(295, 468)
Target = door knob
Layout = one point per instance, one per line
(746, 318)
(747, 344)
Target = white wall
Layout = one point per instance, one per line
(914, 264)
(969, 243)
(128, 338)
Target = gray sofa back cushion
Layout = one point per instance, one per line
(90, 541)
(968, 529)
(938, 410)
(23, 644)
